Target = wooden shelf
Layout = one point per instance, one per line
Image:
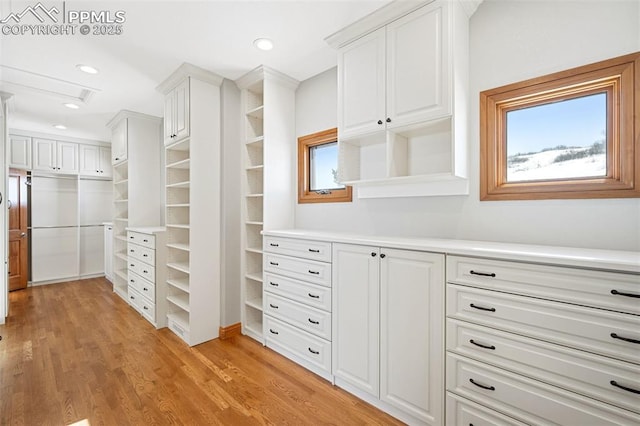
(179, 266)
(179, 246)
(256, 140)
(182, 164)
(254, 195)
(181, 284)
(178, 205)
(254, 303)
(257, 112)
(254, 250)
(120, 182)
(255, 168)
(254, 223)
(177, 225)
(254, 276)
(181, 301)
(184, 184)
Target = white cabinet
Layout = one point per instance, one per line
(95, 160)
(388, 328)
(108, 251)
(55, 156)
(19, 152)
(176, 113)
(402, 100)
(119, 142)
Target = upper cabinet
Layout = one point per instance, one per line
(19, 152)
(55, 156)
(95, 161)
(403, 99)
(119, 142)
(176, 113)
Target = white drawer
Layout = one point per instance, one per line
(147, 240)
(135, 298)
(528, 400)
(575, 370)
(579, 286)
(593, 330)
(290, 340)
(306, 270)
(313, 250)
(462, 412)
(148, 310)
(144, 287)
(142, 253)
(144, 270)
(309, 319)
(309, 294)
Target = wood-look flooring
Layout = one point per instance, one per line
(75, 351)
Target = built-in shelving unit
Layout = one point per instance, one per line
(268, 99)
(120, 220)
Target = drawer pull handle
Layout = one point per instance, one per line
(273, 284)
(145, 308)
(314, 322)
(273, 263)
(131, 238)
(132, 281)
(274, 245)
(314, 272)
(133, 251)
(144, 271)
(482, 274)
(272, 331)
(145, 289)
(145, 255)
(314, 251)
(614, 383)
(481, 345)
(314, 296)
(619, 293)
(273, 306)
(314, 352)
(491, 388)
(132, 265)
(132, 298)
(626, 339)
(146, 241)
(482, 308)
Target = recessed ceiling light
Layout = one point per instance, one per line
(263, 43)
(87, 68)
(71, 105)
(60, 126)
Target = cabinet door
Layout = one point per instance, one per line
(169, 117)
(108, 252)
(412, 333)
(44, 155)
(67, 157)
(119, 142)
(418, 66)
(181, 116)
(105, 162)
(20, 152)
(361, 79)
(355, 320)
(89, 160)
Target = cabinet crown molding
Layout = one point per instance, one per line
(263, 72)
(188, 70)
(122, 114)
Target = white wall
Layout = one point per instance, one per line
(509, 41)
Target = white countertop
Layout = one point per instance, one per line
(146, 229)
(625, 261)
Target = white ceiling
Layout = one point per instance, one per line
(157, 37)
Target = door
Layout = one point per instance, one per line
(89, 160)
(67, 157)
(169, 118)
(105, 162)
(181, 125)
(44, 155)
(355, 322)
(119, 142)
(412, 333)
(20, 152)
(18, 240)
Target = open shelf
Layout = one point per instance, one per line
(254, 276)
(182, 284)
(254, 303)
(179, 246)
(183, 184)
(182, 164)
(257, 112)
(181, 318)
(179, 266)
(180, 300)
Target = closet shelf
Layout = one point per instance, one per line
(254, 223)
(121, 182)
(182, 164)
(184, 184)
(254, 250)
(254, 303)
(255, 141)
(177, 225)
(179, 266)
(179, 246)
(258, 167)
(257, 112)
(254, 195)
(181, 284)
(181, 301)
(122, 276)
(181, 318)
(257, 276)
(178, 205)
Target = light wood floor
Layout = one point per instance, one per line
(76, 351)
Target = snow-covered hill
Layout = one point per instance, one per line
(549, 164)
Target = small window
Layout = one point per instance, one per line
(565, 135)
(318, 169)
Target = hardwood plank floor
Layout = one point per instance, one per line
(76, 351)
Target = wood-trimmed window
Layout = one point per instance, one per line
(563, 170)
(317, 169)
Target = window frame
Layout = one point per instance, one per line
(620, 79)
(305, 195)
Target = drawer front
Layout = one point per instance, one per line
(571, 369)
(312, 250)
(142, 253)
(144, 287)
(148, 310)
(309, 319)
(462, 412)
(306, 270)
(309, 294)
(528, 400)
(311, 349)
(135, 298)
(579, 286)
(593, 330)
(146, 240)
(144, 270)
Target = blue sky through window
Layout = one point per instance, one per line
(323, 160)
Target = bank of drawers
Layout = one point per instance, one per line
(297, 301)
(541, 344)
(145, 266)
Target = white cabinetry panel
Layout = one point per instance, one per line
(20, 152)
(54, 253)
(91, 250)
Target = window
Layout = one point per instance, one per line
(564, 135)
(318, 169)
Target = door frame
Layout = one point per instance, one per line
(23, 207)
(4, 234)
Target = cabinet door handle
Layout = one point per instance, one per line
(272, 331)
(146, 241)
(314, 251)
(273, 306)
(626, 339)
(314, 322)
(482, 308)
(274, 245)
(373, 254)
(382, 255)
(619, 293)
(481, 345)
(273, 263)
(491, 388)
(482, 274)
(314, 272)
(380, 122)
(388, 120)
(314, 296)
(314, 352)
(273, 284)
(616, 384)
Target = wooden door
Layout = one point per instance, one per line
(18, 239)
